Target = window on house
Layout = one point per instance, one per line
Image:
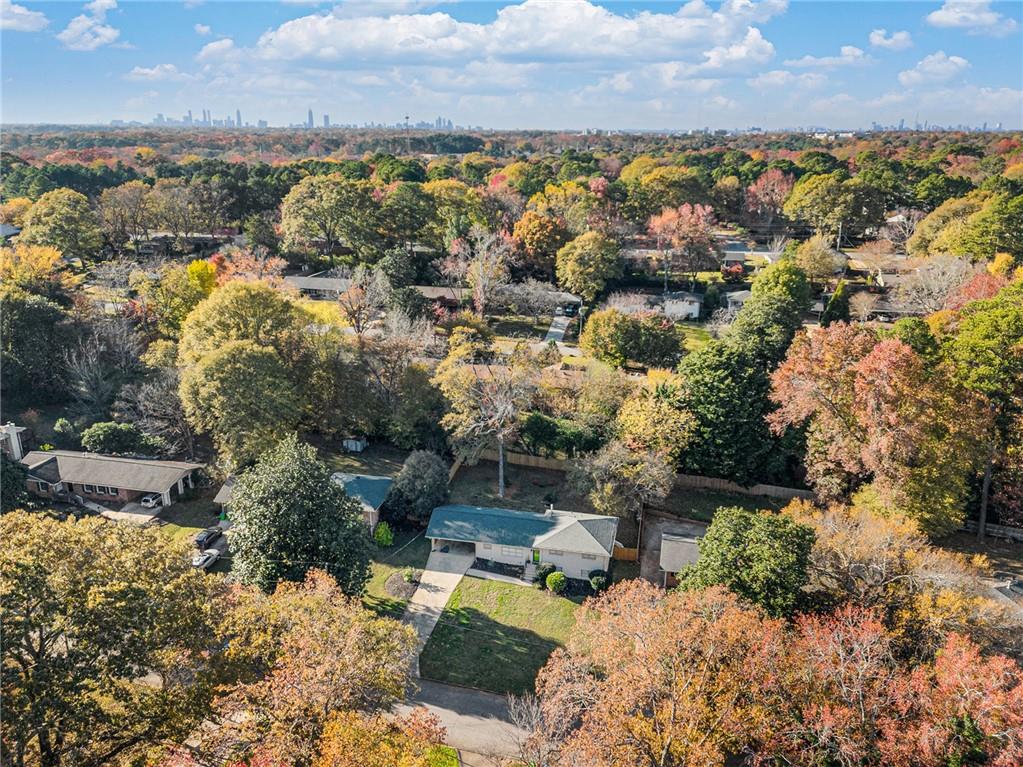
(88, 488)
(509, 551)
(589, 556)
(555, 553)
(112, 490)
(58, 487)
(487, 546)
(43, 486)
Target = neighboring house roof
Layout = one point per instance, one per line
(371, 491)
(678, 550)
(740, 296)
(561, 530)
(313, 282)
(223, 496)
(108, 470)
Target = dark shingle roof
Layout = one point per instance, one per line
(108, 470)
(553, 529)
(370, 490)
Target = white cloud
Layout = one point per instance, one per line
(18, 18)
(849, 55)
(535, 30)
(898, 41)
(975, 16)
(936, 68)
(202, 29)
(218, 49)
(167, 72)
(782, 78)
(88, 31)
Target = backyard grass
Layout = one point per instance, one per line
(410, 549)
(377, 459)
(694, 503)
(1004, 556)
(527, 488)
(696, 335)
(496, 636)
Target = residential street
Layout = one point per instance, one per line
(475, 721)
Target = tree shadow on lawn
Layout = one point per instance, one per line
(470, 648)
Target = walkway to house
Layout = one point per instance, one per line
(443, 571)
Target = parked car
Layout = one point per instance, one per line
(204, 539)
(204, 559)
(571, 310)
(151, 501)
(1016, 586)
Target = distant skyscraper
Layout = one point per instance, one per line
(189, 116)
(309, 120)
(326, 121)
(237, 118)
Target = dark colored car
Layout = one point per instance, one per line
(571, 310)
(204, 539)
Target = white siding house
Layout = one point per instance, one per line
(575, 543)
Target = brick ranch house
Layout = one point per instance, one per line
(62, 474)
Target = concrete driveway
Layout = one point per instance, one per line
(441, 575)
(556, 332)
(476, 722)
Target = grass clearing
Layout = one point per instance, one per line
(410, 549)
(377, 460)
(527, 488)
(496, 636)
(694, 503)
(696, 335)
(185, 519)
(1005, 556)
(515, 326)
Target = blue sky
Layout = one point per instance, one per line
(537, 63)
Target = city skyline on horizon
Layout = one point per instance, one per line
(535, 65)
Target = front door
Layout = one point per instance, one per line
(536, 556)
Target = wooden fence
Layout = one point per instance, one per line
(996, 531)
(623, 554)
(683, 480)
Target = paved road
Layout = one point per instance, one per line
(476, 721)
(556, 332)
(441, 575)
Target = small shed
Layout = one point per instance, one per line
(682, 306)
(354, 444)
(677, 550)
(371, 491)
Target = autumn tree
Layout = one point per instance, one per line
(34, 333)
(817, 259)
(290, 516)
(586, 264)
(127, 214)
(484, 258)
(303, 655)
(63, 219)
(485, 403)
(539, 238)
(90, 609)
(765, 197)
(651, 420)
(786, 277)
(253, 264)
(242, 395)
(619, 481)
(37, 269)
(357, 740)
(367, 293)
(323, 212)
(174, 293)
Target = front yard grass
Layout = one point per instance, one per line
(410, 549)
(521, 326)
(696, 335)
(496, 636)
(184, 519)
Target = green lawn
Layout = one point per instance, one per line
(696, 335)
(694, 503)
(520, 326)
(410, 549)
(443, 756)
(185, 519)
(527, 489)
(496, 636)
(377, 459)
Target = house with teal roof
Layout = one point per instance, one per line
(575, 543)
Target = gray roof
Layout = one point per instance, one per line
(560, 530)
(312, 282)
(108, 470)
(223, 496)
(370, 490)
(678, 550)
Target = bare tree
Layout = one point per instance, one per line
(367, 294)
(482, 257)
(900, 227)
(628, 303)
(531, 296)
(539, 743)
(486, 402)
(155, 407)
(877, 256)
(104, 359)
(927, 288)
(389, 352)
(862, 304)
(720, 321)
